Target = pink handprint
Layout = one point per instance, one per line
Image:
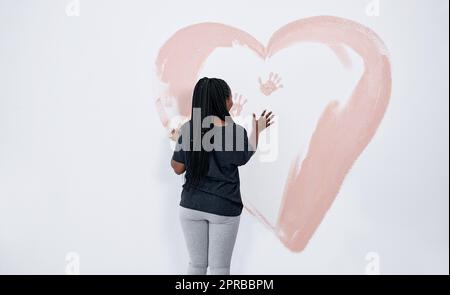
(238, 104)
(270, 85)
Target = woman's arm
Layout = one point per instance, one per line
(178, 167)
(264, 121)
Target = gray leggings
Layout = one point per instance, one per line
(210, 240)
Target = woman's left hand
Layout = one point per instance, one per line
(264, 121)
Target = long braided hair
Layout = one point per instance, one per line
(209, 98)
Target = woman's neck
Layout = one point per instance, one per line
(218, 122)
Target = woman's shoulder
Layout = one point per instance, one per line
(185, 124)
(240, 128)
(184, 128)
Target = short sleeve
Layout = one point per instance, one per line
(248, 151)
(179, 155)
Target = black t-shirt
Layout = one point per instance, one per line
(218, 191)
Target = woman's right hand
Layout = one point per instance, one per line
(264, 121)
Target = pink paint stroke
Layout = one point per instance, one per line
(342, 131)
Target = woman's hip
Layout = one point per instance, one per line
(196, 214)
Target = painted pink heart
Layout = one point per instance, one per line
(342, 131)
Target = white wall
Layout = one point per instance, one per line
(84, 160)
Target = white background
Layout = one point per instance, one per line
(84, 161)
